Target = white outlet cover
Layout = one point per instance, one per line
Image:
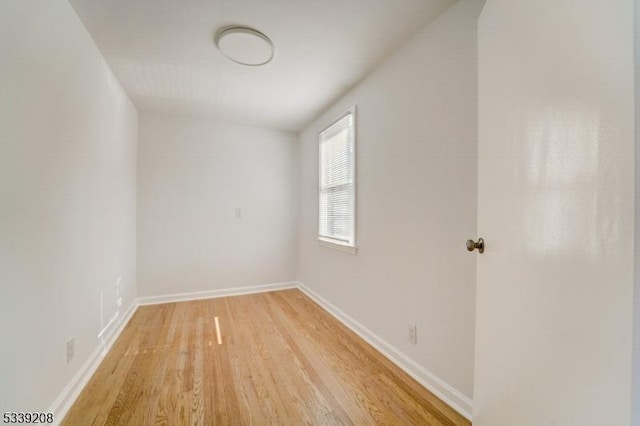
(71, 352)
(413, 334)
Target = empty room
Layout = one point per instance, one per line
(340, 212)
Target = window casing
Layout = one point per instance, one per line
(337, 182)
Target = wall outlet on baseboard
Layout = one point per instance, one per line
(71, 349)
(237, 213)
(412, 335)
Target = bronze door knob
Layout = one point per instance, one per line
(472, 245)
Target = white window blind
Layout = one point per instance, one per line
(337, 181)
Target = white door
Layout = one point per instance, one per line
(556, 143)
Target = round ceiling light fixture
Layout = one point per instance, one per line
(244, 45)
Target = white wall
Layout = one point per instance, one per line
(67, 198)
(416, 200)
(192, 175)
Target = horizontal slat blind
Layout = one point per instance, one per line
(337, 181)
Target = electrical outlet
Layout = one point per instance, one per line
(237, 213)
(71, 349)
(412, 335)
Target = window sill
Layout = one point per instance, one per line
(337, 246)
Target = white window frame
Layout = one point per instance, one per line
(341, 245)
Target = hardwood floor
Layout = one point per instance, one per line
(282, 360)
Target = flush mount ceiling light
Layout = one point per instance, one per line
(244, 45)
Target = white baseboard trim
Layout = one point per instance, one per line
(111, 337)
(70, 393)
(211, 294)
(454, 398)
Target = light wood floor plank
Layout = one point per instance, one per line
(283, 360)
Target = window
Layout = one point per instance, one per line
(338, 183)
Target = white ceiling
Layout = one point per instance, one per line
(163, 52)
